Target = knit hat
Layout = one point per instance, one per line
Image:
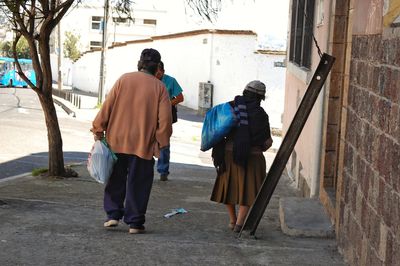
(257, 87)
(150, 55)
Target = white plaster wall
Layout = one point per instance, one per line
(188, 67)
(274, 78)
(187, 59)
(228, 61)
(85, 72)
(235, 65)
(66, 69)
(121, 60)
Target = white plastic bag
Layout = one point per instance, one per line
(101, 161)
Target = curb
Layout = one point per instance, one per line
(10, 178)
(304, 217)
(68, 110)
(29, 174)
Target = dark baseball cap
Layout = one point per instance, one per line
(151, 55)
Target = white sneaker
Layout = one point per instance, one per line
(139, 230)
(111, 223)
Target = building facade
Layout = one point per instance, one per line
(144, 23)
(348, 154)
(227, 59)
(119, 29)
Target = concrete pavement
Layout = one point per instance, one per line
(59, 221)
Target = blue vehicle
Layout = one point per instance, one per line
(9, 75)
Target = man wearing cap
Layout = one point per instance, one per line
(176, 96)
(136, 122)
(239, 159)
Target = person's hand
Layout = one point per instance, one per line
(177, 99)
(98, 136)
(267, 144)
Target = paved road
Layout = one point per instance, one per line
(23, 134)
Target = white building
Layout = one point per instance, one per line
(227, 59)
(90, 15)
(85, 21)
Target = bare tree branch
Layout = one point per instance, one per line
(31, 19)
(53, 5)
(61, 10)
(123, 8)
(45, 6)
(65, 4)
(25, 8)
(20, 72)
(20, 22)
(207, 9)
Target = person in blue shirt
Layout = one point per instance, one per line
(176, 96)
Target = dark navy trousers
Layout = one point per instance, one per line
(130, 183)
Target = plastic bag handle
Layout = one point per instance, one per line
(113, 155)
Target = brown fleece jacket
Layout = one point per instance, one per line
(136, 116)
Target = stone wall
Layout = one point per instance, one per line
(369, 218)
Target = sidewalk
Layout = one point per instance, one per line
(60, 221)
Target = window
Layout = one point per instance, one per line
(95, 45)
(301, 30)
(149, 21)
(96, 23)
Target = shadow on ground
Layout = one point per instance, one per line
(36, 160)
(188, 114)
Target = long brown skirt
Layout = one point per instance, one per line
(237, 186)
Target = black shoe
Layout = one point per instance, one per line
(164, 177)
(237, 228)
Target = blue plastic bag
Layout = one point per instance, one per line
(217, 124)
(101, 161)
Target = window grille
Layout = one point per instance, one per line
(301, 32)
(150, 21)
(95, 45)
(96, 23)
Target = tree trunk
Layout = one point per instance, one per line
(56, 158)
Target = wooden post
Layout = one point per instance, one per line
(268, 187)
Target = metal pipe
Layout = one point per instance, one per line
(103, 53)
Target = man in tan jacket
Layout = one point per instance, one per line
(136, 120)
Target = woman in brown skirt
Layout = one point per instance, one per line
(239, 157)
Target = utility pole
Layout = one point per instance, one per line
(60, 52)
(103, 53)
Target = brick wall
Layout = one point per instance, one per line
(369, 214)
